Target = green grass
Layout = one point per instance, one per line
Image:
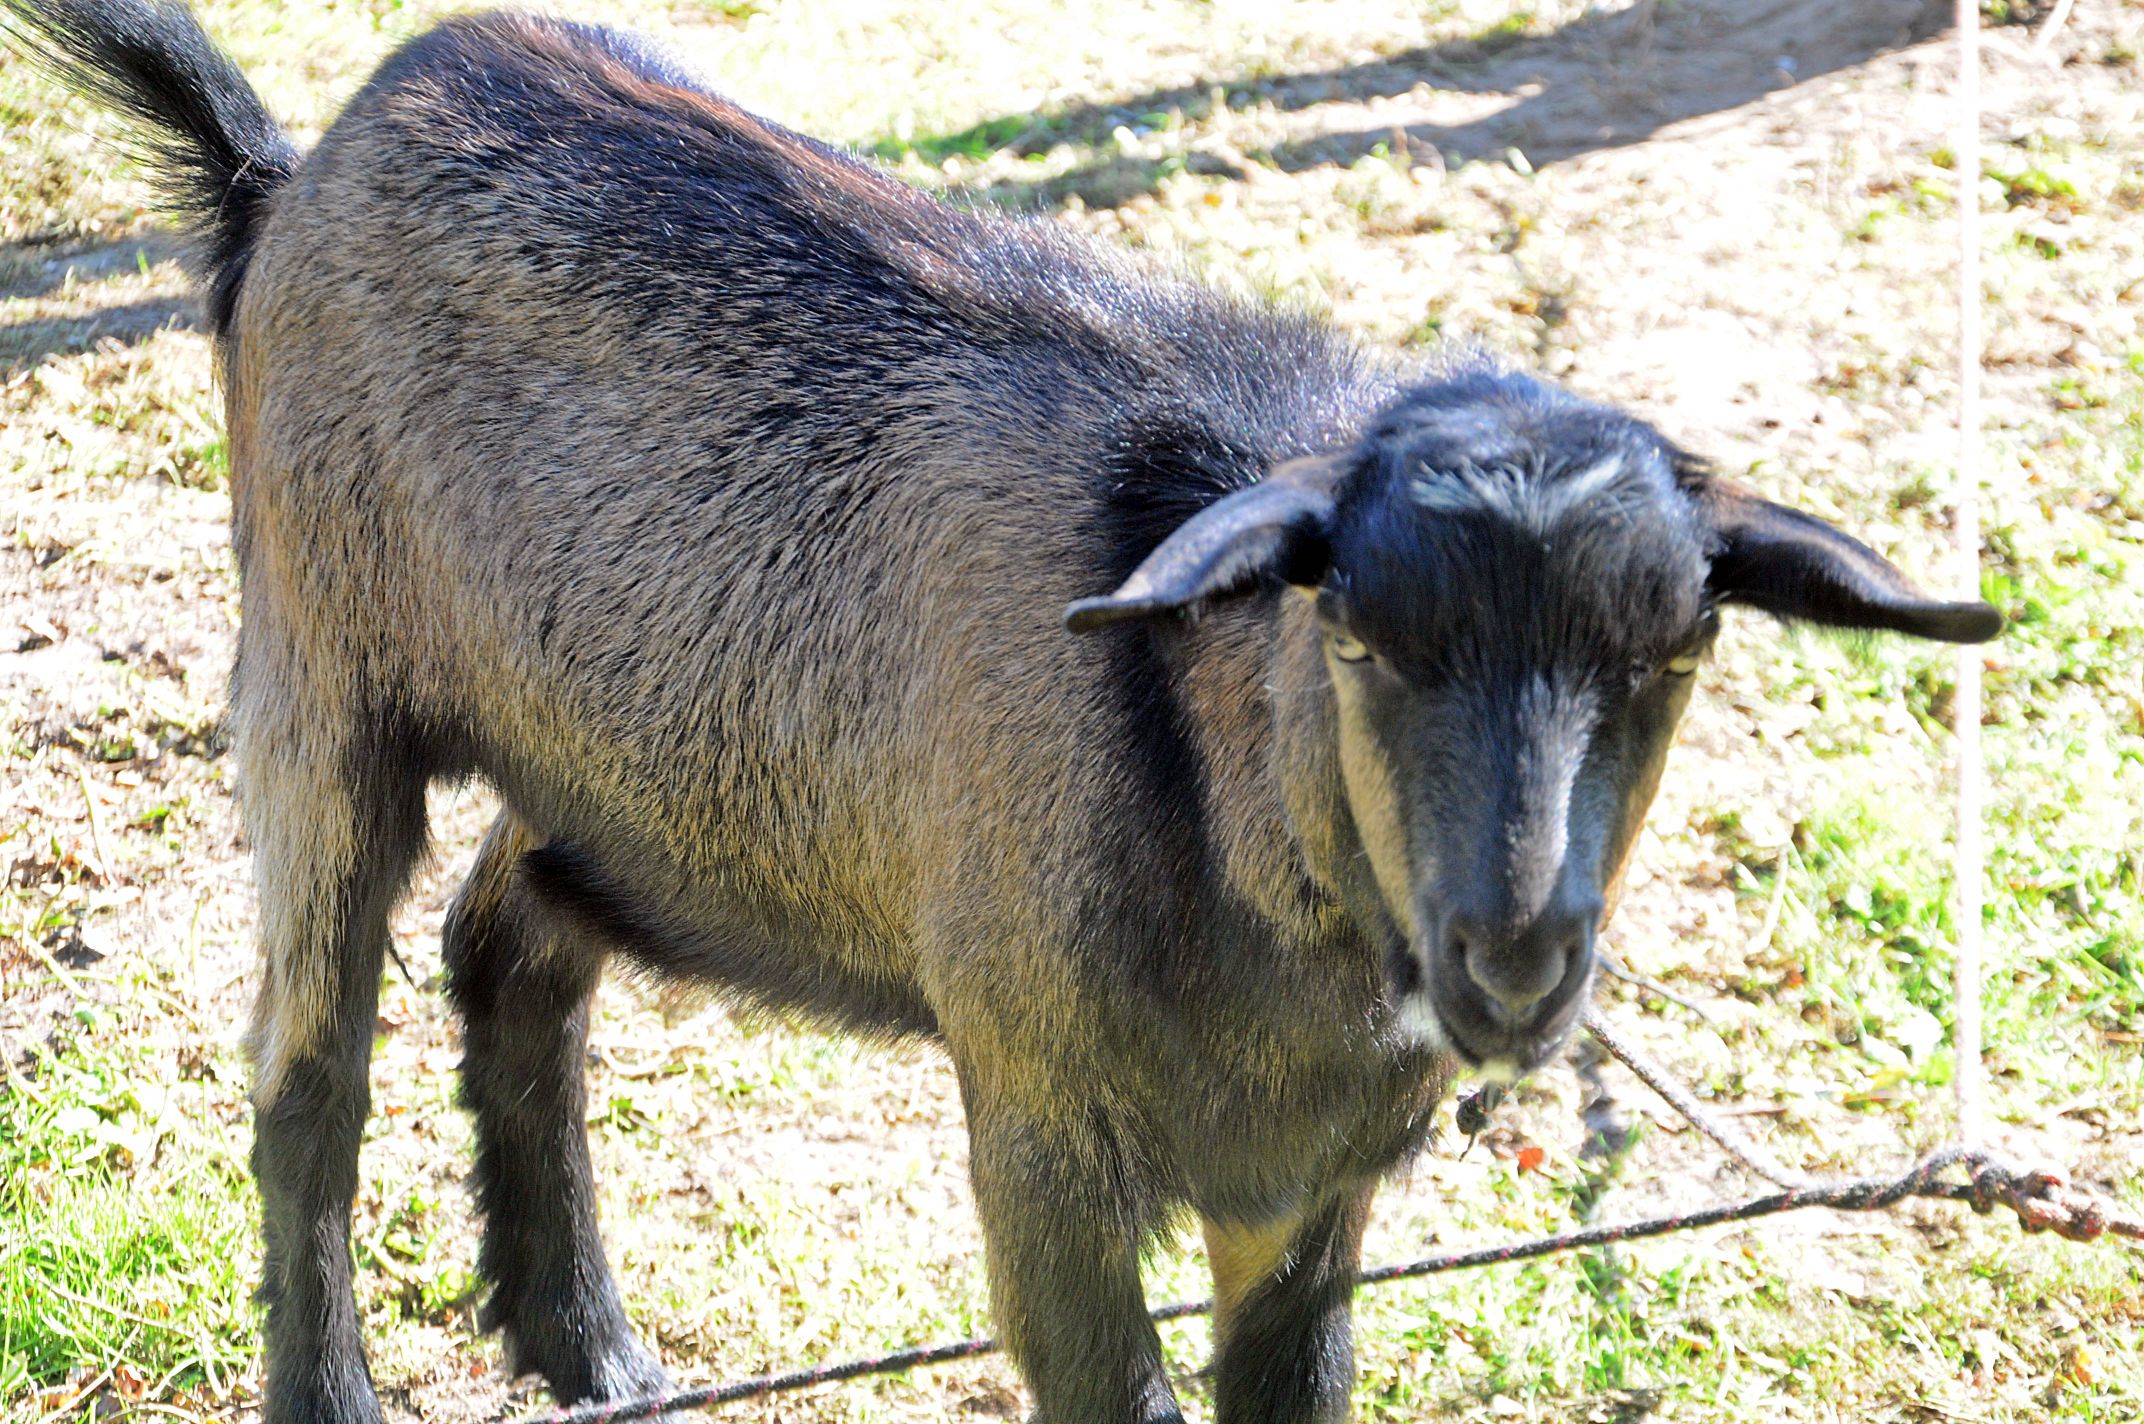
(131, 1237)
(1868, 873)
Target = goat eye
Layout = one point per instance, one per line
(1347, 649)
(1685, 665)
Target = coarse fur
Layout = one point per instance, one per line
(715, 497)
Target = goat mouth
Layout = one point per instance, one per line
(1432, 1015)
(1502, 1052)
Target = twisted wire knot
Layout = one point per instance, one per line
(2043, 1199)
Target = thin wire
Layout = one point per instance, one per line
(2042, 1198)
(1970, 870)
(2042, 1203)
(1734, 1144)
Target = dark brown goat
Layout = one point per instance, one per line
(718, 499)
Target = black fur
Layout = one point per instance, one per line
(1786, 563)
(1287, 1355)
(523, 997)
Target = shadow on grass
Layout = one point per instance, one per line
(26, 344)
(37, 269)
(1603, 81)
(29, 270)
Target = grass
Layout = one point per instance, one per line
(774, 1196)
(126, 1184)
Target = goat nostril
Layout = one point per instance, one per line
(1516, 971)
(1517, 983)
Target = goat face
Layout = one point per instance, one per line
(1513, 591)
(1511, 617)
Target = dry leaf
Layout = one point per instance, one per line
(129, 1383)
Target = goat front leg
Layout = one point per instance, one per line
(1063, 1245)
(1283, 1329)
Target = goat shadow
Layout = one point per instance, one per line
(33, 269)
(1605, 80)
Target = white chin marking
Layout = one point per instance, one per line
(1420, 1026)
(1419, 1022)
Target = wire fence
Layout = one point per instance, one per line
(2043, 1199)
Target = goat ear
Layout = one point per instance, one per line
(1796, 566)
(1279, 526)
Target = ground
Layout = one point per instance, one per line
(1734, 216)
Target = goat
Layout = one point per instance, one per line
(714, 497)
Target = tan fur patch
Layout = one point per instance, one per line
(303, 832)
(1373, 797)
(1242, 1257)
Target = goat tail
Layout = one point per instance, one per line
(217, 155)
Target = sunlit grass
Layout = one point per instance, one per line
(130, 1242)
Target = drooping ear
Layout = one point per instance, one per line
(1279, 527)
(1796, 566)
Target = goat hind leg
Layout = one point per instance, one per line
(335, 831)
(523, 992)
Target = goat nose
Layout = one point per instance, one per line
(1518, 970)
(1516, 981)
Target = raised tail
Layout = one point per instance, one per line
(217, 156)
